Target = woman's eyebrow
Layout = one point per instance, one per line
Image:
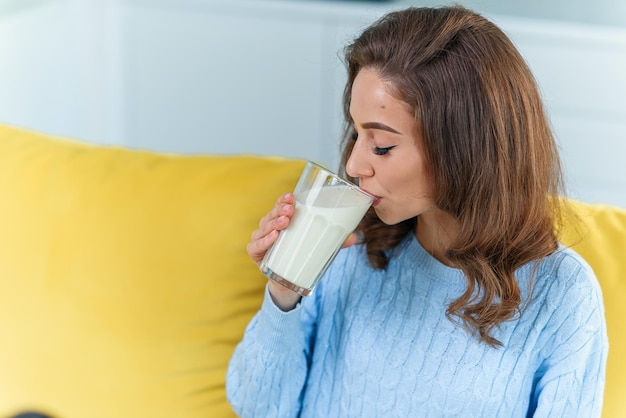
(381, 126)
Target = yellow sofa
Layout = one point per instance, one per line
(125, 283)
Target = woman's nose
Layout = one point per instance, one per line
(357, 165)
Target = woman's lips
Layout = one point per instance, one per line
(376, 198)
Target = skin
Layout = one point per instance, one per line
(388, 161)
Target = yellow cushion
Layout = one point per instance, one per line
(124, 278)
(598, 233)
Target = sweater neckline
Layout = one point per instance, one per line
(413, 252)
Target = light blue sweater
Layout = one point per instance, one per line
(371, 343)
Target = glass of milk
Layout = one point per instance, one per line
(327, 210)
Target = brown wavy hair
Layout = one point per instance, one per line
(487, 143)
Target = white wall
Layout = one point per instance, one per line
(58, 68)
(263, 77)
(222, 81)
(581, 70)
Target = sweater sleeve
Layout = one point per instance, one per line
(570, 382)
(269, 367)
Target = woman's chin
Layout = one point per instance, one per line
(390, 218)
(385, 216)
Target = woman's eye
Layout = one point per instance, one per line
(382, 151)
(354, 136)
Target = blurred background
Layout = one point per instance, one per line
(265, 76)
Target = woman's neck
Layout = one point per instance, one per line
(436, 230)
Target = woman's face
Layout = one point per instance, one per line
(387, 157)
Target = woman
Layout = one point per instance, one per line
(458, 299)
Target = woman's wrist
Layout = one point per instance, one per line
(282, 297)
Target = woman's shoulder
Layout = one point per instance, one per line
(568, 305)
(567, 264)
(565, 278)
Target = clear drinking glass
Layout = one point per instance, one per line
(327, 209)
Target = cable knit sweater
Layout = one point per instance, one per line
(373, 343)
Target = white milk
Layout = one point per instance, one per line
(315, 233)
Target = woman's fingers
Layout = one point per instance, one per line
(276, 220)
(258, 247)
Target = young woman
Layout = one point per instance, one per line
(457, 299)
